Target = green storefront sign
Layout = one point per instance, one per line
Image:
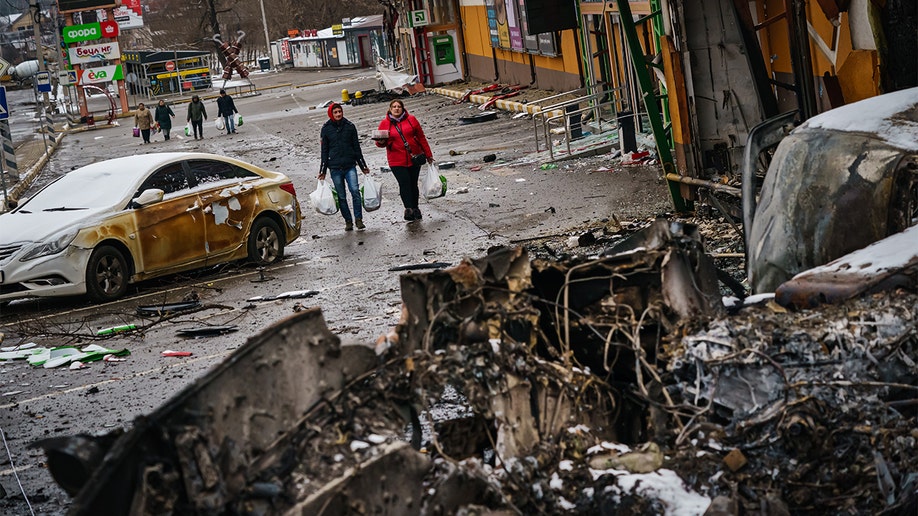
(85, 32)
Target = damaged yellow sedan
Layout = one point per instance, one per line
(104, 226)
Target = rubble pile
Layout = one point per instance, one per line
(613, 384)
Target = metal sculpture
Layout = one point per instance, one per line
(231, 52)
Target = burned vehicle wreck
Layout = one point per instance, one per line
(619, 383)
(842, 180)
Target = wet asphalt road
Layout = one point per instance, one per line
(508, 200)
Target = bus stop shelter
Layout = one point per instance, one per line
(157, 73)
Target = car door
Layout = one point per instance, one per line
(170, 232)
(227, 193)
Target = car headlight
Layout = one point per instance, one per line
(57, 244)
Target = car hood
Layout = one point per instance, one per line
(21, 226)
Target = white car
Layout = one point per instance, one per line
(101, 227)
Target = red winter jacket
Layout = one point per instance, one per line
(395, 148)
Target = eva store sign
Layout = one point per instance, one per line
(101, 74)
(95, 53)
(90, 31)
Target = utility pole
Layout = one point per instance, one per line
(264, 22)
(35, 9)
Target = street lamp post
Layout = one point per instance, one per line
(264, 22)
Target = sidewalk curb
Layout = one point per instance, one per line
(25, 181)
(505, 105)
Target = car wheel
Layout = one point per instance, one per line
(266, 242)
(107, 274)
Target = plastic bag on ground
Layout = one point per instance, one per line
(371, 191)
(323, 199)
(433, 184)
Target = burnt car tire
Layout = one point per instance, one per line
(266, 242)
(107, 274)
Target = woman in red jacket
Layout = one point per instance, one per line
(406, 150)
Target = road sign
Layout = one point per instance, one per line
(4, 110)
(418, 18)
(67, 77)
(4, 65)
(43, 81)
(170, 66)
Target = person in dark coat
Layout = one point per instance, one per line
(227, 108)
(163, 117)
(341, 155)
(197, 115)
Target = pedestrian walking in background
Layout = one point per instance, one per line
(163, 117)
(341, 155)
(406, 150)
(227, 108)
(197, 115)
(143, 120)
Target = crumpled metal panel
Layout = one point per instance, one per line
(192, 454)
(888, 264)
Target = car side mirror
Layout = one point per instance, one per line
(148, 197)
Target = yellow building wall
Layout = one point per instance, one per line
(477, 39)
(831, 49)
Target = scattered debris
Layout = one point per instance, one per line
(419, 266)
(295, 294)
(117, 329)
(487, 116)
(170, 353)
(206, 331)
(167, 308)
(616, 383)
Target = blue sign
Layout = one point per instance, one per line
(4, 110)
(43, 80)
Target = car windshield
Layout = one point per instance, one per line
(87, 188)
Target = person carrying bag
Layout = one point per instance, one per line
(341, 155)
(407, 149)
(226, 108)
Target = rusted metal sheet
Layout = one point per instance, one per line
(885, 265)
(194, 454)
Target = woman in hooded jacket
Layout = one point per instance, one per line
(341, 155)
(406, 150)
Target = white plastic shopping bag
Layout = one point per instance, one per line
(219, 123)
(188, 129)
(433, 185)
(323, 199)
(372, 193)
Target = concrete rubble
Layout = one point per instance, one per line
(618, 382)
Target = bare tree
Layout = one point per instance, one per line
(193, 23)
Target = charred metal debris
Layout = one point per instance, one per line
(612, 385)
